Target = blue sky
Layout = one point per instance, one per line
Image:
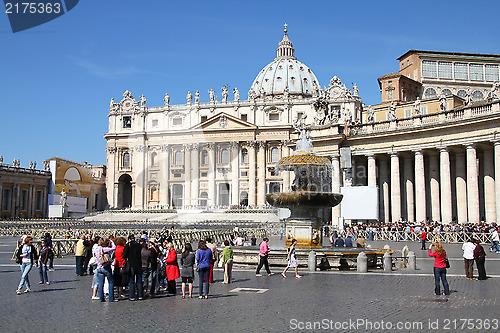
(57, 78)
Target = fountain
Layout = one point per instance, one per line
(310, 194)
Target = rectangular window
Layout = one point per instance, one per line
(423, 109)
(6, 199)
(177, 175)
(274, 116)
(244, 174)
(461, 71)
(204, 118)
(127, 122)
(491, 72)
(38, 200)
(444, 70)
(476, 72)
(244, 117)
(204, 174)
(24, 200)
(155, 122)
(407, 113)
(429, 69)
(177, 121)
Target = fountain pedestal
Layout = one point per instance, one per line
(306, 232)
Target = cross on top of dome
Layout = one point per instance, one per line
(285, 47)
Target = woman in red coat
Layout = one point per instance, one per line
(172, 269)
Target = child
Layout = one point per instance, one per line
(46, 254)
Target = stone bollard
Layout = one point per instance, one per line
(311, 261)
(387, 262)
(362, 263)
(412, 261)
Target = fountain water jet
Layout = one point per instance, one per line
(310, 193)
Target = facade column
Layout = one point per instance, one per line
(420, 187)
(384, 190)
(434, 186)
(472, 185)
(461, 185)
(372, 171)
(211, 174)
(489, 187)
(235, 173)
(139, 170)
(195, 174)
(445, 185)
(336, 188)
(409, 189)
(251, 174)
(116, 188)
(395, 188)
(113, 164)
(497, 179)
(165, 175)
(261, 174)
(187, 176)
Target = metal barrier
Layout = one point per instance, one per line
(412, 236)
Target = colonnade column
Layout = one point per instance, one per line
(372, 171)
(420, 187)
(384, 190)
(497, 178)
(211, 174)
(235, 173)
(251, 173)
(187, 176)
(434, 186)
(472, 185)
(261, 170)
(461, 188)
(395, 188)
(445, 183)
(335, 187)
(489, 187)
(195, 174)
(165, 175)
(409, 189)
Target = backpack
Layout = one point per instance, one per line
(18, 255)
(105, 259)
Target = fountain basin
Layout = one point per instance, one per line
(304, 199)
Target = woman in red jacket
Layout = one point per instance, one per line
(439, 268)
(120, 277)
(172, 269)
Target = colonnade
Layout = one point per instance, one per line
(455, 183)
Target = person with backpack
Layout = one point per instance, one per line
(292, 260)
(102, 254)
(26, 256)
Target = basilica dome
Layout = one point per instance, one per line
(286, 73)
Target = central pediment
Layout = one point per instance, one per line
(223, 121)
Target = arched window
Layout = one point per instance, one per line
(430, 93)
(204, 157)
(178, 158)
(275, 155)
(154, 159)
(224, 156)
(126, 160)
(244, 156)
(447, 92)
(477, 96)
(462, 93)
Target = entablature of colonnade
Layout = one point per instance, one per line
(452, 132)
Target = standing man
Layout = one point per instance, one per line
(88, 245)
(468, 255)
(263, 255)
(132, 253)
(495, 239)
(212, 248)
(480, 257)
(423, 238)
(80, 252)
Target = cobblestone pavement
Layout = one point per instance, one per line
(330, 301)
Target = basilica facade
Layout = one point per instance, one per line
(440, 164)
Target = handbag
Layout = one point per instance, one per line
(447, 262)
(125, 269)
